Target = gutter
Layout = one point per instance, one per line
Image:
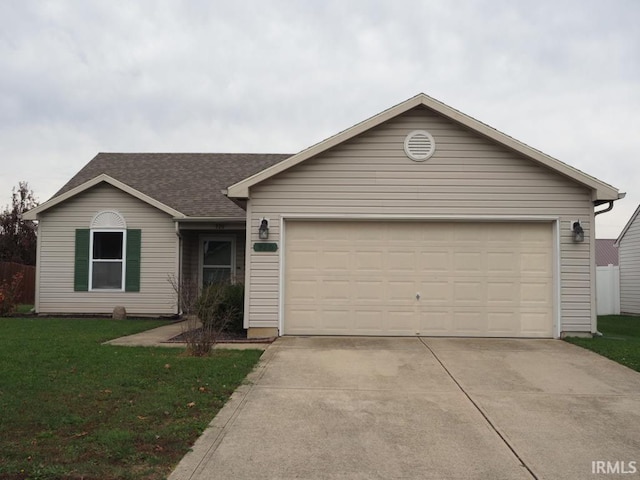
(610, 207)
(211, 219)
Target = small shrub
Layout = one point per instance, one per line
(9, 293)
(232, 306)
(210, 312)
(215, 314)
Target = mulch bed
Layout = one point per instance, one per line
(226, 337)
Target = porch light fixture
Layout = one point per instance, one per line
(578, 232)
(263, 231)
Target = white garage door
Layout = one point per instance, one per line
(416, 278)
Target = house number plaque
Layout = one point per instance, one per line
(265, 247)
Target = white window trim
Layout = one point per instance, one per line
(220, 238)
(123, 261)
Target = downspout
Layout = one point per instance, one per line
(610, 207)
(595, 214)
(179, 279)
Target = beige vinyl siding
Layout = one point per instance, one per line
(629, 259)
(56, 262)
(468, 176)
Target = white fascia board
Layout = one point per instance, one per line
(33, 213)
(626, 227)
(241, 189)
(601, 190)
(210, 219)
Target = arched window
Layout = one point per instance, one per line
(107, 255)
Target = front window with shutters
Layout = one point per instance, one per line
(107, 262)
(107, 255)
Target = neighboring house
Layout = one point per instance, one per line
(606, 252)
(628, 244)
(417, 221)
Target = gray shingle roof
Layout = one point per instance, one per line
(606, 252)
(188, 182)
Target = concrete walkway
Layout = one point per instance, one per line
(159, 337)
(385, 408)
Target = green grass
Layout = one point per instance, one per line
(73, 408)
(620, 340)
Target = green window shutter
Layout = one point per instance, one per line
(132, 274)
(81, 267)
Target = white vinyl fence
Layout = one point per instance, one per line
(608, 290)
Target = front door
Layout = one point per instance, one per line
(217, 255)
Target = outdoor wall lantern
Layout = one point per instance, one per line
(263, 231)
(578, 232)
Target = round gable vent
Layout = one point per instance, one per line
(419, 145)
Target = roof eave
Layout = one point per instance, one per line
(601, 190)
(627, 226)
(34, 212)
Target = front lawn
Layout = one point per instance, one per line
(620, 340)
(72, 408)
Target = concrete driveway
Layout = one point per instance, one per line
(431, 408)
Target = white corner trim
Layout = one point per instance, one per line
(281, 283)
(557, 280)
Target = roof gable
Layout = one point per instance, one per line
(102, 178)
(186, 184)
(627, 226)
(601, 190)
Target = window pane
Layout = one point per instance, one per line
(107, 275)
(215, 275)
(217, 252)
(107, 245)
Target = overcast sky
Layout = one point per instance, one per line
(81, 77)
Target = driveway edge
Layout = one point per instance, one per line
(206, 445)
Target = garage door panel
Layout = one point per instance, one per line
(337, 319)
(473, 279)
(436, 322)
(400, 291)
(369, 261)
(503, 293)
(468, 262)
(433, 262)
(303, 291)
(435, 292)
(369, 320)
(470, 293)
(535, 294)
(501, 324)
(535, 262)
(502, 263)
(532, 322)
(336, 261)
(368, 290)
(306, 319)
(331, 290)
(468, 322)
(303, 261)
(400, 321)
(401, 261)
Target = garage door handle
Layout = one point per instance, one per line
(417, 296)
